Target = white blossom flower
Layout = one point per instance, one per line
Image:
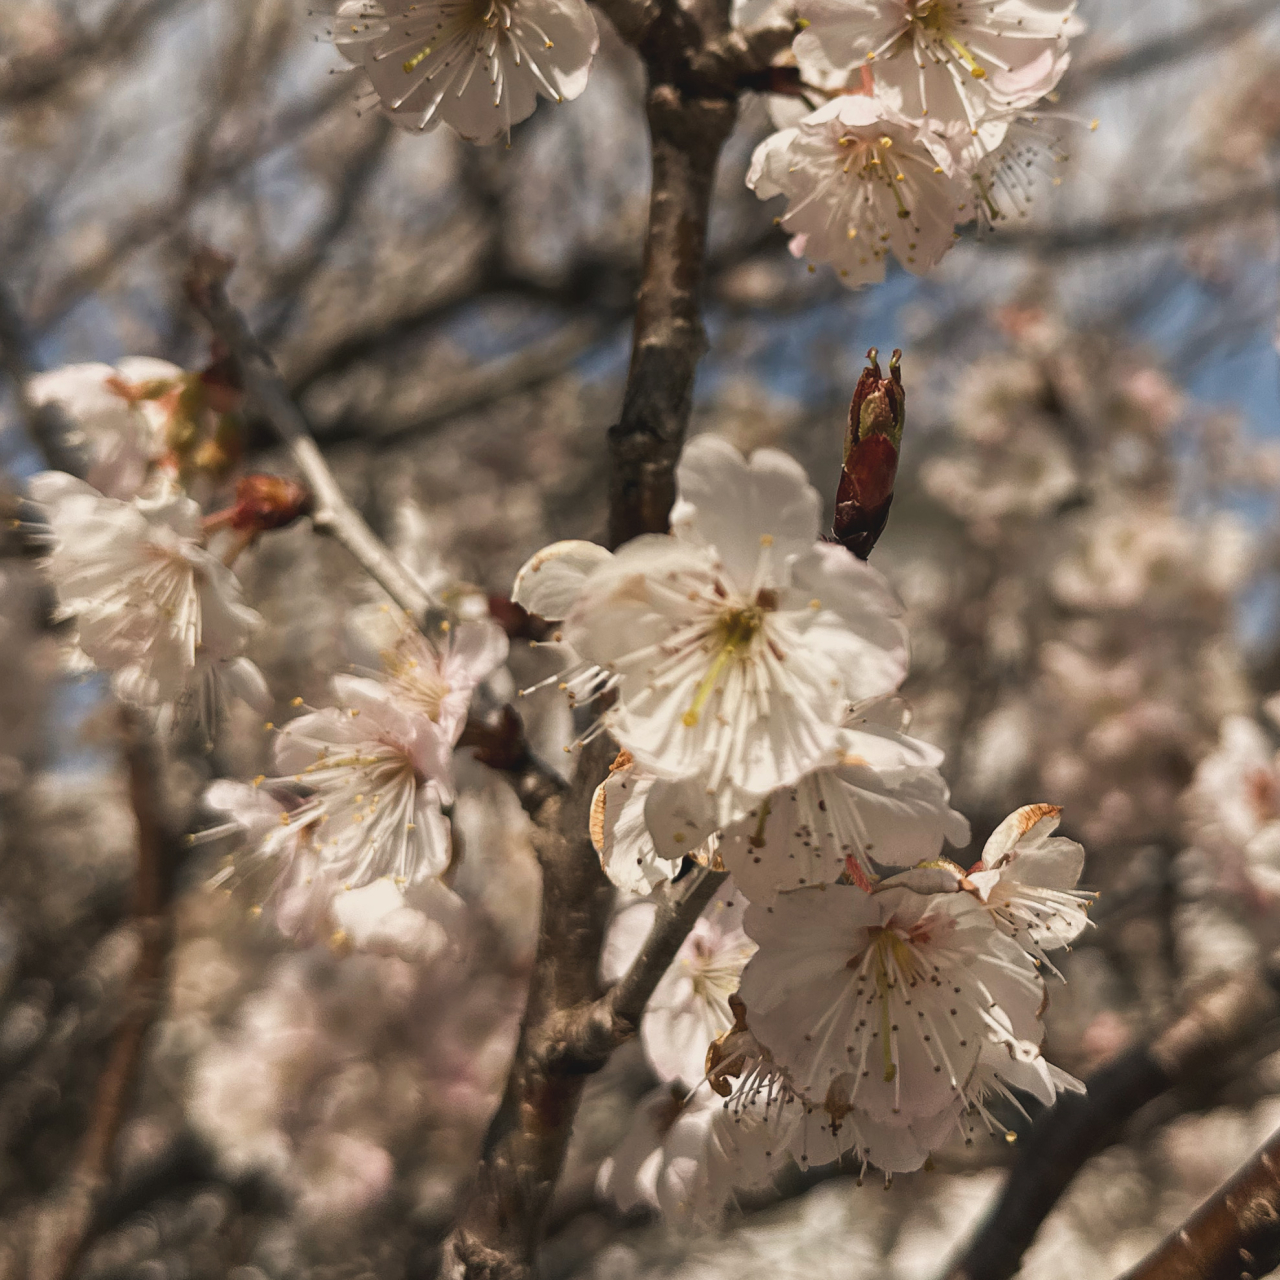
(1027, 879)
(547, 585)
(861, 179)
(1134, 551)
(118, 414)
(619, 833)
(380, 773)
(151, 605)
(478, 65)
(895, 992)
(1007, 156)
(884, 802)
(735, 642)
(765, 1122)
(662, 1162)
(279, 866)
(1026, 474)
(1233, 804)
(437, 679)
(689, 1007)
(948, 59)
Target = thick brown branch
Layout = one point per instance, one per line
(64, 1226)
(1219, 1024)
(687, 131)
(1234, 1235)
(267, 394)
(570, 1029)
(501, 1225)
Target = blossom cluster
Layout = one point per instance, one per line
(850, 989)
(907, 119)
(148, 600)
(359, 793)
(921, 122)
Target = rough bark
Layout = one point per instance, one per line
(1234, 1235)
(689, 116)
(63, 1227)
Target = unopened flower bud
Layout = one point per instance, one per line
(268, 502)
(876, 417)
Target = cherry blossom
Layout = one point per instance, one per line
(1027, 879)
(619, 832)
(150, 604)
(665, 1160)
(1234, 803)
(380, 774)
(884, 802)
(735, 642)
(437, 678)
(115, 411)
(280, 867)
(893, 992)
(690, 1006)
(947, 59)
(478, 65)
(862, 180)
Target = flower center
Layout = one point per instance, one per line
(731, 637)
(935, 18)
(893, 964)
(470, 15)
(425, 688)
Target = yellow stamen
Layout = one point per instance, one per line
(424, 52)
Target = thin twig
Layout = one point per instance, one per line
(63, 1228)
(332, 513)
(583, 1038)
(1167, 223)
(1234, 1235)
(1076, 1128)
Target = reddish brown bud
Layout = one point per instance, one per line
(876, 418)
(267, 502)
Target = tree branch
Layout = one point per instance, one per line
(501, 1224)
(1167, 223)
(1234, 1235)
(1218, 1024)
(582, 1039)
(332, 513)
(63, 1227)
(689, 120)
(1190, 41)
